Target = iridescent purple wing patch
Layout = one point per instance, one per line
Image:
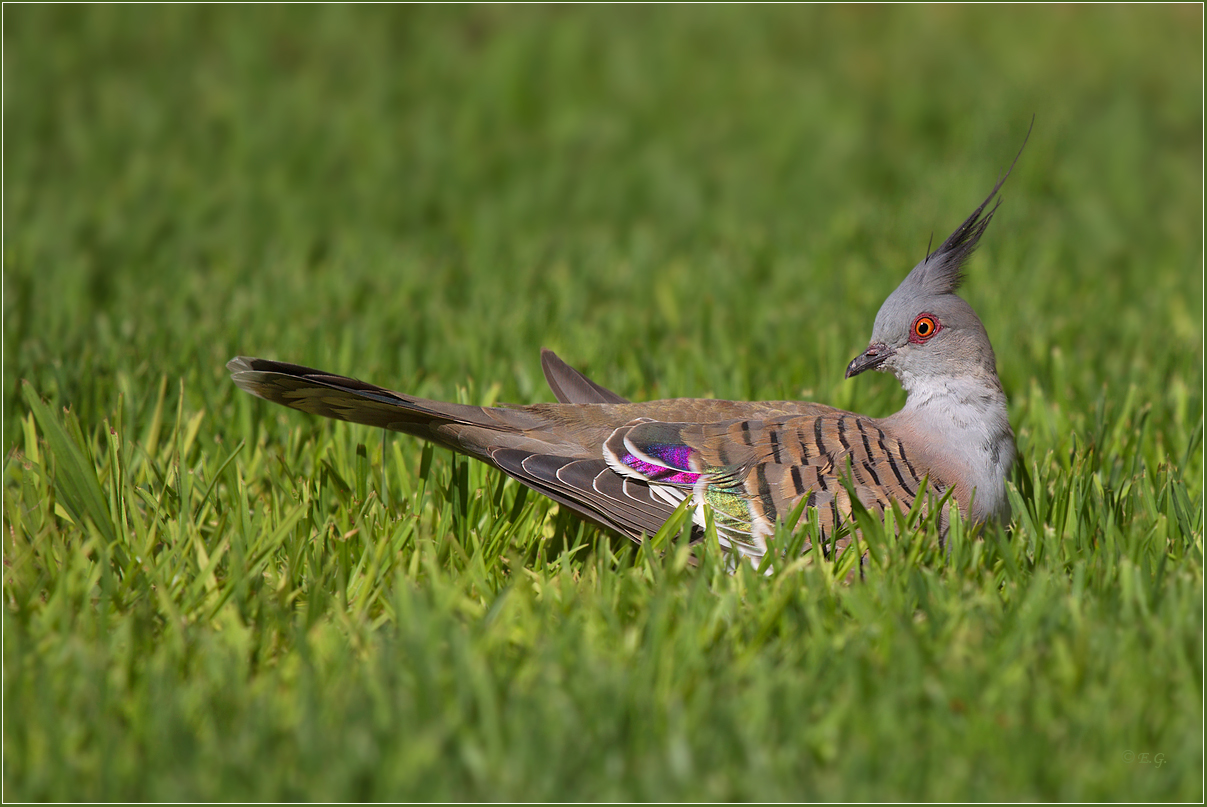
(660, 473)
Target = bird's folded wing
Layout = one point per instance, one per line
(753, 472)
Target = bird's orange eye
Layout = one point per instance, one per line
(925, 326)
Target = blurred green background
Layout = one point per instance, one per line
(682, 200)
(655, 192)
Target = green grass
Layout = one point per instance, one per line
(210, 598)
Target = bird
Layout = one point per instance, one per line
(627, 466)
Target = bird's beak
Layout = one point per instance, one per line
(870, 359)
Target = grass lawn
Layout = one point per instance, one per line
(207, 597)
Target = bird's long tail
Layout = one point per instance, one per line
(542, 446)
(457, 426)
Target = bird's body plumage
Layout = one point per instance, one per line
(628, 465)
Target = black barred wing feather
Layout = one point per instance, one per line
(754, 472)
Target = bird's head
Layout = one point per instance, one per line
(924, 332)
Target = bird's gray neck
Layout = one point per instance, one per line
(959, 426)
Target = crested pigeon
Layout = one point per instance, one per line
(627, 466)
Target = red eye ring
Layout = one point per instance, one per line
(924, 327)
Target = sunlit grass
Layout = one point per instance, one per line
(211, 598)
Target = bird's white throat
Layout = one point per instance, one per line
(961, 424)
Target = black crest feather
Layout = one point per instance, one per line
(943, 270)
